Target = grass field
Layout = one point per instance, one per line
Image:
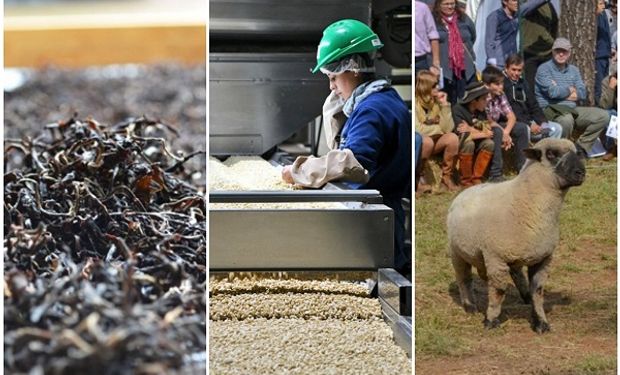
(580, 295)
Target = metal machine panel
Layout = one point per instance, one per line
(401, 327)
(299, 20)
(258, 100)
(301, 239)
(395, 290)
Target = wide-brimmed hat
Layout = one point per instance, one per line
(473, 91)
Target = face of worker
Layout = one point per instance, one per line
(447, 7)
(496, 88)
(343, 84)
(514, 71)
(560, 56)
(512, 5)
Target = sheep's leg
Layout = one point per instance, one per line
(462, 271)
(516, 273)
(498, 273)
(482, 273)
(538, 275)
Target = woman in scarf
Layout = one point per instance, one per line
(372, 141)
(457, 34)
(433, 118)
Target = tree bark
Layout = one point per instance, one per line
(578, 24)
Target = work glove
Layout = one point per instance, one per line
(313, 172)
(333, 120)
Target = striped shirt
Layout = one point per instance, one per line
(553, 84)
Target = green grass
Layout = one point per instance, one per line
(438, 337)
(595, 364)
(587, 249)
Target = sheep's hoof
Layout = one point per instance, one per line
(490, 324)
(541, 327)
(470, 308)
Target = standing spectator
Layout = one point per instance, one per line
(485, 8)
(612, 18)
(426, 40)
(457, 34)
(539, 29)
(433, 118)
(507, 131)
(614, 48)
(558, 89)
(524, 105)
(612, 14)
(502, 28)
(603, 48)
(472, 8)
(475, 134)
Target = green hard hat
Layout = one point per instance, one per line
(342, 38)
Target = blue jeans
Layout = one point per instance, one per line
(602, 71)
(520, 136)
(418, 149)
(456, 88)
(401, 257)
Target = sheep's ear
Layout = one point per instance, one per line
(581, 152)
(533, 153)
(552, 155)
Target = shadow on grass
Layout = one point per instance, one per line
(513, 307)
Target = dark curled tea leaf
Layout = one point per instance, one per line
(105, 252)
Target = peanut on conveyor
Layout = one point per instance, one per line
(293, 305)
(246, 173)
(268, 326)
(240, 286)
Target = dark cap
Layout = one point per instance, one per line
(473, 91)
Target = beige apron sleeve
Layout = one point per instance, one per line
(333, 119)
(313, 172)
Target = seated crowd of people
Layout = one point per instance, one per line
(474, 118)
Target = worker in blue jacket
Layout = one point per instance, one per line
(371, 148)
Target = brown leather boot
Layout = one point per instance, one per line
(483, 159)
(465, 168)
(446, 171)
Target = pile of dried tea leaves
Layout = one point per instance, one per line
(104, 252)
(175, 94)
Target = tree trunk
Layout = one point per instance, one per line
(578, 24)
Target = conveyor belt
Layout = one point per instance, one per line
(363, 196)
